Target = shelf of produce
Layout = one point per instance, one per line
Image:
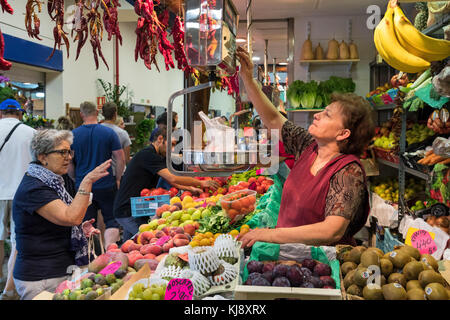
(435, 30)
(385, 107)
(416, 173)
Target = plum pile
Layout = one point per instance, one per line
(308, 274)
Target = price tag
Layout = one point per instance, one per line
(111, 268)
(423, 241)
(179, 289)
(162, 240)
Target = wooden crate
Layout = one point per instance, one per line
(244, 292)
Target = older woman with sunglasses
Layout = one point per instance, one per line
(50, 234)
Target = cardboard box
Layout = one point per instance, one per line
(121, 294)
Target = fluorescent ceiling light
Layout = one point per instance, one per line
(283, 63)
(241, 40)
(256, 58)
(40, 94)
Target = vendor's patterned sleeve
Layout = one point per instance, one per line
(346, 194)
(295, 138)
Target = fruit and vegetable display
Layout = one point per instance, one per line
(307, 274)
(159, 192)
(387, 188)
(208, 267)
(310, 95)
(150, 292)
(94, 286)
(238, 204)
(440, 189)
(208, 238)
(404, 47)
(388, 137)
(404, 274)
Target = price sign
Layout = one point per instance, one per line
(111, 268)
(179, 289)
(423, 241)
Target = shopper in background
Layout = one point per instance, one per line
(161, 122)
(325, 198)
(64, 123)
(143, 171)
(120, 123)
(109, 110)
(51, 234)
(93, 144)
(14, 159)
(29, 106)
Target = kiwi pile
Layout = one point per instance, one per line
(405, 274)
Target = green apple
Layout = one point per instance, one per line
(176, 215)
(175, 223)
(190, 210)
(166, 214)
(153, 224)
(196, 215)
(185, 217)
(189, 221)
(182, 224)
(161, 226)
(206, 213)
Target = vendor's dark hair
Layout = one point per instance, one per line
(109, 110)
(358, 119)
(162, 119)
(160, 132)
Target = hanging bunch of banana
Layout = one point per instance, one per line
(404, 47)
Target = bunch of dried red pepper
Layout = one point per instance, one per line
(4, 64)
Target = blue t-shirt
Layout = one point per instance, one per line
(43, 247)
(93, 144)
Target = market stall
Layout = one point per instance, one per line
(190, 247)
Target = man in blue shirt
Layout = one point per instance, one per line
(93, 144)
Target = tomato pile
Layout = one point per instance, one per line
(260, 184)
(238, 204)
(159, 192)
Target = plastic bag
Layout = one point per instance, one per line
(441, 147)
(220, 138)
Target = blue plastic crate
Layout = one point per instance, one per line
(146, 206)
(388, 242)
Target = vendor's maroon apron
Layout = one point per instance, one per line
(304, 195)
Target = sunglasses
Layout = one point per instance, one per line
(63, 152)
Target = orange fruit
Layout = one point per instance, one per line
(205, 242)
(243, 231)
(194, 243)
(225, 205)
(232, 213)
(234, 233)
(245, 226)
(209, 235)
(237, 205)
(217, 235)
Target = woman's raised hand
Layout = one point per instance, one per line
(99, 172)
(246, 69)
